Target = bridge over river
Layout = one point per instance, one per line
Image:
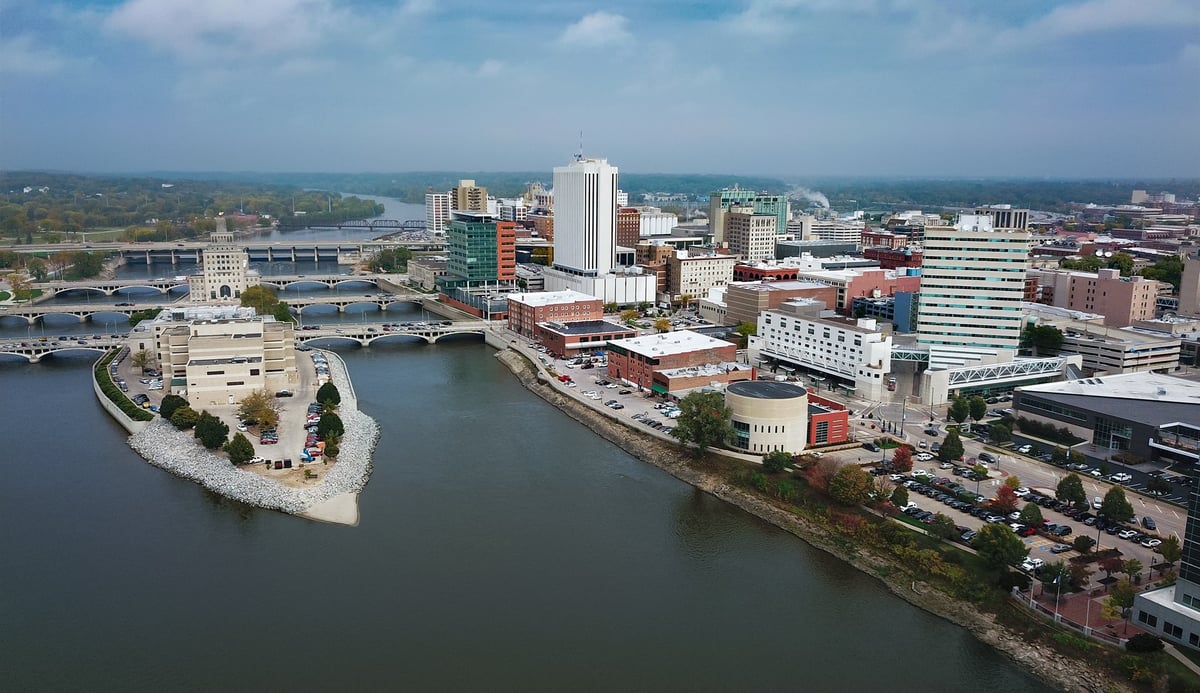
(165, 285)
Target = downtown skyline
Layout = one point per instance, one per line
(1092, 88)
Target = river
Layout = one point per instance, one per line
(502, 546)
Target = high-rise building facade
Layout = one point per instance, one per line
(751, 236)
(629, 226)
(469, 197)
(1189, 285)
(437, 211)
(720, 201)
(479, 249)
(972, 285)
(223, 272)
(585, 217)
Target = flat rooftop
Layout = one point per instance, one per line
(1145, 387)
(707, 370)
(671, 343)
(784, 285)
(538, 299)
(586, 327)
(767, 389)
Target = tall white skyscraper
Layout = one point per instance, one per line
(972, 284)
(437, 211)
(585, 217)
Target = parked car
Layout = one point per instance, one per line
(1148, 523)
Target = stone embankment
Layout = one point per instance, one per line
(1062, 672)
(181, 454)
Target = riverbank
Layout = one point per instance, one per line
(333, 500)
(1061, 671)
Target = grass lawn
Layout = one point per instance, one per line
(4, 295)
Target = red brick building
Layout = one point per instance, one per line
(526, 310)
(629, 227)
(637, 359)
(752, 273)
(572, 338)
(891, 258)
(828, 421)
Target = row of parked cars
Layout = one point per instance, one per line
(653, 423)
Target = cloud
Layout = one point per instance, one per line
(597, 29)
(226, 30)
(23, 55)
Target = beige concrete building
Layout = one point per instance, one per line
(745, 301)
(1189, 285)
(224, 270)
(468, 197)
(694, 272)
(768, 416)
(424, 272)
(750, 236)
(1121, 300)
(218, 358)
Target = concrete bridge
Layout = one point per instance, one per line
(33, 350)
(163, 285)
(369, 333)
(177, 252)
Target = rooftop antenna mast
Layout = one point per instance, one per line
(579, 156)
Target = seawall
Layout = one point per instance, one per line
(113, 410)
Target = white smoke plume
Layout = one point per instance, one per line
(800, 192)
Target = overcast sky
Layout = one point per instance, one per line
(1085, 88)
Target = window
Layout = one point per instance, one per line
(1172, 630)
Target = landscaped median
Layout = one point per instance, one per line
(110, 390)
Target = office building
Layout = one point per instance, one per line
(745, 301)
(1189, 285)
(468, 197)
(480, 249)
(437, 211)
(972, 284)
(749, 235)
(720, 201)
(525, 310)
(224, 270)
(1121, 300)
(693, 272)
(637, 359)
(1005, 218)
(629, 227)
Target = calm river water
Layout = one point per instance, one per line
(502, 547)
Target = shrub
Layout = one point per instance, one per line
(110, 390)
(184, 418)
(328, 394)
(1144, 642)
(169, 405)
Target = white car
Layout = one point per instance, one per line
(1032, 564)
(1121, 477)
(1127, 533)
(1022, 492)
(1025, 449)
(1097, 502)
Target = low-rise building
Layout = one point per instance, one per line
(872, 283)
(1121, 300)
(571, 338)
(677, 381)
(745, 301)
(768, 416)
(526, 310)
(425, 271)
(638, 358)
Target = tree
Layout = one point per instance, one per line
(1120, 599)
(1013, 482)
(902, 459)
(1132, 568)
(330, 424)
(643, 306)
(1123, 262)
(239, 449)
(1080, 572)
(703, 421)
(184, 418)
(998, 546)
(1115, 506)
(1031, 515)
(85, 264)
(999, 433)
(142, 359)
(1083, 543)
(850, 485)
(629, 316)
(662, 325)
(391, 260)
(1006, 500)
(977, 407)
(259, 406)
(282, 313)
(260, 297)
(328, 395)
(1170, 549)
(1041, 338)
(959, 409)
(1158, 486)
(210, 431)
(1058, 456)
(744, 330)
(899, 497)
(1070, 489)
(1111, 564)
(1169, 269)
(776, 461)
(169, 405)
(610, 308)
(943, 527)
(952, 447)
(1055, 577)
(1144, 643)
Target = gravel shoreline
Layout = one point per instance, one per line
(181, 454)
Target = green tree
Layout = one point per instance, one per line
(703, 421)
(959, 410)
(1041, 338)
(1031, 515)
(142, 360)
(662, 325)
(952, 447)
(282, 313)
(1144, 643)
(85, 264)
(239, 449)
(328, 395)
(169, 405)
(1169, 269)
(643, 306)
(610, 308)
(1083, 543)
(999, 433)
(1158, 486)
(333, 446)
(1058, 456)
(1055, 577)
(850, 485)
(943, 527)
(629, 316)
(1115, 506)
(1120, 600)
(390, 260)
(1070, 489)
(977, 407)
(1132, 568)
(776, 461)
(184, 418)
(1123, 262)
(259, 406)
(210, 431)
(260, 297)
(330, 424)
(1170, 549)
(744, 331)
(998, 546)
(899, 497)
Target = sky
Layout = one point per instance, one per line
(928, 88)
